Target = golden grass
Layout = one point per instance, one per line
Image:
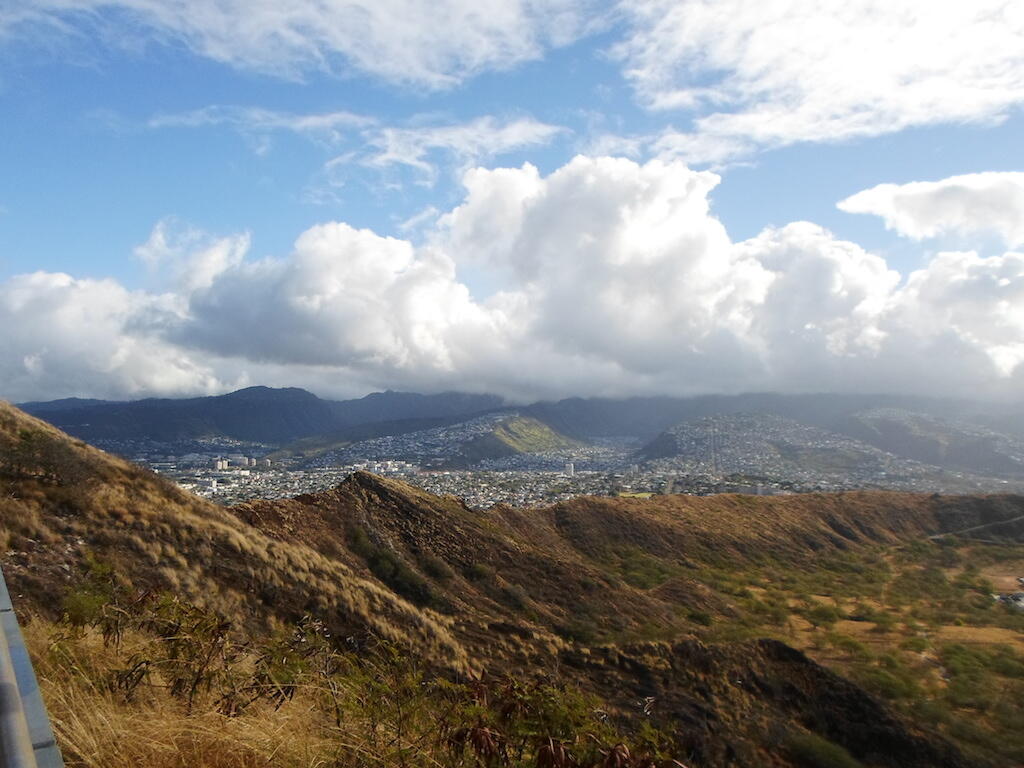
(154, 535)
(95, 728)
(1003, 575)
(980, 636)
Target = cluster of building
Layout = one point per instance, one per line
(237, 460)
(784, 455)
(425, 447)
(1012, 599)
(753, 454)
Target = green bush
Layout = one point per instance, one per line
(83, 606)
(435, 567)
(915, 644)
(580, 630)
(479, 572)
(821, 615)
(887, 684)
(514, 596)
(849, 644)
(389, 568)
(812, 751)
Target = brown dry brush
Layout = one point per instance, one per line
(378, 704)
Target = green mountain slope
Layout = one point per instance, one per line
(517, 434)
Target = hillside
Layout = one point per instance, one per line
(980, 439)
(761, 630)
(260, 414)
(942, 442)
(309, 448)
(399, 406)
(765, 447)
(454, 442)
(512, 436)
(64, 503)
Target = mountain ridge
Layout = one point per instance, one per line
(613, 593)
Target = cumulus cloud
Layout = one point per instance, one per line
(776, 72)
(405, 41)
(64, 336)
(969, 205)
(615, 279)
(190, 256)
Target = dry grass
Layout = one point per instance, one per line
(368, 709)
(154, 535)
(96, 728)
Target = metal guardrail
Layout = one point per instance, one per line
(26, 738)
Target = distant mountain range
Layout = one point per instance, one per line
(260, 414)
(979, 438)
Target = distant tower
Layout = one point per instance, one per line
(570, 469)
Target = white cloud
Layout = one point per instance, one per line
(771, 73)
(190, 256)
(467, 143)
(64, 336)
(969, 205)
(327, 127)
(434, 44)
(418, 145)
(614, 279)
(976, 302)
(345, 297)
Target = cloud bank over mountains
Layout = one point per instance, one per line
(615, 279)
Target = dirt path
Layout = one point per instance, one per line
(974, 528)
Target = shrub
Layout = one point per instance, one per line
(701, 617)
(580, 630)
(886, 684)
(83, 606)
(914, 644)
(392, 570)
(479, 572)
(514, 596)
(812, 751)
(435, 567)
(850, 645)
(822, 615)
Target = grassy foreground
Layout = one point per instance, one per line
(153, 681)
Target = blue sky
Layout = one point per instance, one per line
(240, 130)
